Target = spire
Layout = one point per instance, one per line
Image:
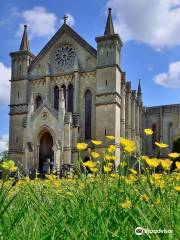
(24, 42)
(109, 30)
(139, 88)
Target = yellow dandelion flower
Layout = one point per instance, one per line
(161, 145)
(95, 154)
(166, 164)
(96, 142)
(110, 164)
(123, 164)
(110, 137)
(148, 131)
(89, 164)
(153, 162)
(133, 171)
(144, 157)
(144, 197)
(81, 146)
(177, 188)
(130, 149)
(126, 204)
(159, 183)
(114, 175)
(112, 148)
(107, 169)
(108, 157)
(157, 202)
(114, 158)
(94, 170)
(174, 155)
(178, 165)
(9, 165)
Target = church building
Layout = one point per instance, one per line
(71, 92)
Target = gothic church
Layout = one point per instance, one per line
(71, 92)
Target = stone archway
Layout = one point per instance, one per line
(45, 149)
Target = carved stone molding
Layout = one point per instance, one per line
(88, 74)
(18, 109)
(111, 98)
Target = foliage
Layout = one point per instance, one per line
(101, 202)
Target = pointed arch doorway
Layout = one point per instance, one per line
(45, 150)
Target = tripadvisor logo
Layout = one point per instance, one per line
(139, 231)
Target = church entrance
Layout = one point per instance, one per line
(46, 153)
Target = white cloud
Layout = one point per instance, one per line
(171, 78)
(70, 20)
(5, 75)
(39, 20)
(154, 22)
(4, 142)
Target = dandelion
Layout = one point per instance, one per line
(166, 164)
(89, 164)
(111, 148)
(157, 202)
(94, 170)
(110, 137)
(177, 188)
(148, 131)
(174, 155)
(9, 165)
(123, 164)
(96, 142)
(178, 165)
(81, 146)
(153, 162)
(144, 197)
(161, 145)
(107, 169)
(108, 157)
(144, 157)
(126, 204)
(130, 149)
(95, 154)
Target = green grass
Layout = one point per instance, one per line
(88, 208)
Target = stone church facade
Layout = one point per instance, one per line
(71, 92)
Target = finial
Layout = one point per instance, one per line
(109, 29)
(139, 87)
(65, 18)
(24, 42)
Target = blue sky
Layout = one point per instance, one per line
(149, 29)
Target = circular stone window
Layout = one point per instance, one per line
(65, 57)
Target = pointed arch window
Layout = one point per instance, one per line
(88, 113)
(39, 101)
(170, 134)
(154, 135)
(56, 97)
(64, 93)
(70, 97)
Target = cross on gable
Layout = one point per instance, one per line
(65, 19)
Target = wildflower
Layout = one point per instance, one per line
(81, 146)
(108, 157)
(9, 165)
(177, 188)
(174, 155)
(153, 162)
(159, 183)
(144, 157)
(161, 145)
(130, 149)
(110, 137)
(114, 158)
(96, 142)
(178, 165)
(95, 154)
(112, 148)
(123, 164)
(94, 169)
(89, 164)
(126, 204)
(144, 197)
(110, 164)
(148, 131)
(107, 169)
(166, 164)
(126, 142)
(133, 171)
(157, 202)
(114, 175)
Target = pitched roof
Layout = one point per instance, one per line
(64, 29)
